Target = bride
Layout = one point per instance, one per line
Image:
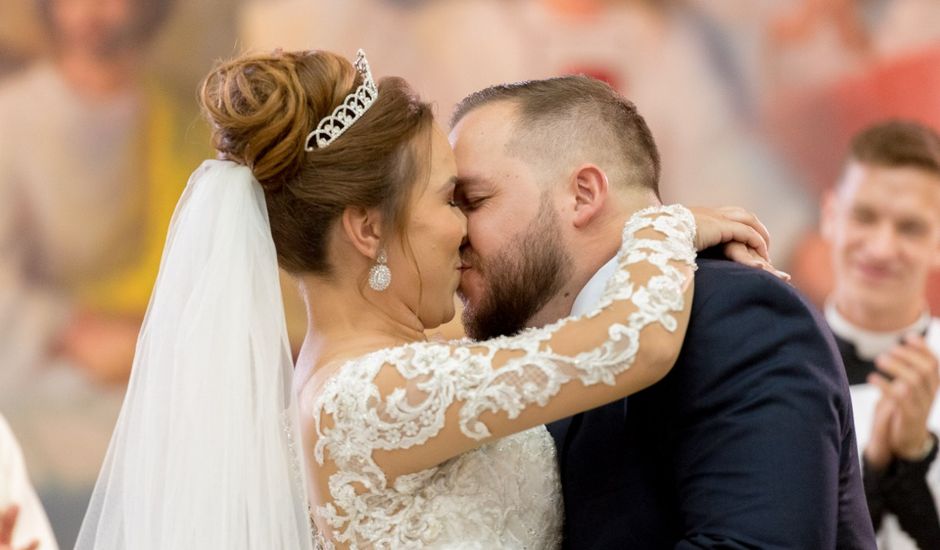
(383, 438)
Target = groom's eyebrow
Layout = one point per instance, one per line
(469, 181)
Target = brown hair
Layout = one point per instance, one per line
(573, 111)
(898, 143)
(262, 107)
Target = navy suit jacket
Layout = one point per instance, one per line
(747, 443)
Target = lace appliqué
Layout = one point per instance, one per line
(289, 427)
(365, 509)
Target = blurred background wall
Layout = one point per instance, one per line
(751, 101)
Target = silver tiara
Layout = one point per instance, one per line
(349, 111)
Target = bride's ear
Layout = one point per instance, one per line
(363, 229)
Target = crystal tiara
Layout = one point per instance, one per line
(349, 111)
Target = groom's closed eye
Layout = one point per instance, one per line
(469, 200)
(469, 204)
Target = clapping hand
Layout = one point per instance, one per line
(7, 525)
(900, 426)
(744, 237)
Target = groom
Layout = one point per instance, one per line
(748, 442)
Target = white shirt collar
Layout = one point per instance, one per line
(590, 296)
(870, 344)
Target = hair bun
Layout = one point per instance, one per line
(261, 114)
(262, 107)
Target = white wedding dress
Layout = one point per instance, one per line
(505, 493)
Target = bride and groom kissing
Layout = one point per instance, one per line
(718, 417)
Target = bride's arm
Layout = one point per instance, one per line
(421, 404)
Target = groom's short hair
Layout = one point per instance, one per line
(562, 116)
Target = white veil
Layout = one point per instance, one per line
(202, 456)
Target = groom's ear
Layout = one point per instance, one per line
(363, 229)
(590, 189)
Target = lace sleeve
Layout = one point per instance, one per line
(399, 411)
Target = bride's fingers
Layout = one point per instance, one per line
(742, 254)
(746, 217)
(721, 225)
(746, 235)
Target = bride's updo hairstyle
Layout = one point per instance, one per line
(261, 108)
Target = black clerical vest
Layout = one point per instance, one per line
(856, 368)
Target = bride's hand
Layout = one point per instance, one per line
(744, 237)
(7, 525)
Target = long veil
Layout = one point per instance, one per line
(203, 454)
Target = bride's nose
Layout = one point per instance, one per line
(463, 225)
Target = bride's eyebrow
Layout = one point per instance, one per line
(450, 184)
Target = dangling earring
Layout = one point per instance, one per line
(380, 276)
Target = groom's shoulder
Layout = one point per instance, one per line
(745, 313)
(722, 284)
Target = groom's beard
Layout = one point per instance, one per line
(520, 280)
